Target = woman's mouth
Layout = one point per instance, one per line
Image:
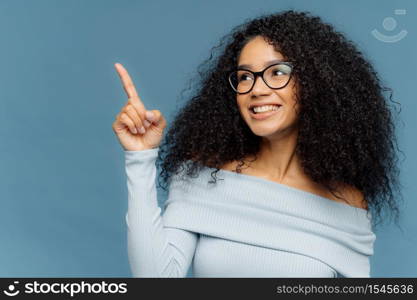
(261, 115)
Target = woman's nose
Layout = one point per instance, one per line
(260, 87)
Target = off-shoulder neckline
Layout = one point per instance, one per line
(290, 188)
(271, 183)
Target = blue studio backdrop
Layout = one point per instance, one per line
(63, 194)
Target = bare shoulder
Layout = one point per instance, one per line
(353, 196)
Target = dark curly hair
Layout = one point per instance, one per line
(346, 130)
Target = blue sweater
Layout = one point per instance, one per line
(242, 226)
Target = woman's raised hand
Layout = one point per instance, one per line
(135, 127)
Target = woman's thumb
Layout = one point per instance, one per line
(156, 118)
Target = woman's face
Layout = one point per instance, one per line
(257, 55)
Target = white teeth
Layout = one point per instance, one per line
(265, 108)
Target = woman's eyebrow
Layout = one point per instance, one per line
(265, 64)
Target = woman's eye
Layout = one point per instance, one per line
(281, 70)
(244, 77)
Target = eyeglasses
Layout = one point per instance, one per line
(275, 76)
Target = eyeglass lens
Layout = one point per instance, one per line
(275, 76)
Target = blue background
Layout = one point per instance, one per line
(62, 179)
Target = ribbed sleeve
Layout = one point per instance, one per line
(153, 250)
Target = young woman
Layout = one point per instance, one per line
(293, 120)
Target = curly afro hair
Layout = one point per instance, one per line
(346, 130)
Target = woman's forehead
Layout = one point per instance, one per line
(257, 52)
(264, 65)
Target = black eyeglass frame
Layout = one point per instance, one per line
(261, 74)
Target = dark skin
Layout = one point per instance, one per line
(277, 160)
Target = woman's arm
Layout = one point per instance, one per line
(153, 250)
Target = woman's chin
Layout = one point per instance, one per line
(274, 131)
(265, 132)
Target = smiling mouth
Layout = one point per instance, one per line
(264, 115)
(275, 108)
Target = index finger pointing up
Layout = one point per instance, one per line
(126, 81)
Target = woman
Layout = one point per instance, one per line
(292, 118)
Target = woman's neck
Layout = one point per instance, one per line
(277, 159)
